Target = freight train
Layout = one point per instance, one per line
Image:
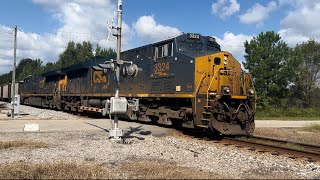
(185, 80)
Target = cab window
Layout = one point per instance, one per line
(164, 50)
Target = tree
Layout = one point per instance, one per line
(28, 67)
(6, 78)
(50, 67)
(87, 51)
(104, 52)
(68, 56)
(307, 82)
(75, 53)
(269, 61)
(99, 50)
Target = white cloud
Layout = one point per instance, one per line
(225, 8)
(234, 44)
(81, 20)
(149, 30)
(258, 13)
(292, 37)
(300, 24)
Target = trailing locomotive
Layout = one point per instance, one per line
(185, 80)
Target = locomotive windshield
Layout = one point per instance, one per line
(197, 45)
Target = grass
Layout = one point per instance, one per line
(61, 170)
(141, 169)
(311, 128)
(22, 144)
(288, 114)
(163, 170)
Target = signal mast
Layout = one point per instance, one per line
(118, 105)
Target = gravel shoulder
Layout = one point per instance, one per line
(149, 151)
(294, 135)
(214, 160)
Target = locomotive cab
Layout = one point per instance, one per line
(225, 95)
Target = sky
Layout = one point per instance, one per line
(46, 26)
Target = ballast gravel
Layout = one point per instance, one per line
(183, 151)
(200, 155)
(33, 113)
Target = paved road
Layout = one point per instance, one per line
(283, 124)
(81, 125)
(102, 124)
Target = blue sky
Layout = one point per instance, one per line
(45, 26)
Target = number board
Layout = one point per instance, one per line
(212, 39)
(193, 36)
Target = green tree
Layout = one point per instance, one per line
(6, 78)
(87, 51)
(50, 66)
(28, 67)
(99, 50)
(272, 66)
(102, 52)
(306, 85)
(75, 53)
(68, 56)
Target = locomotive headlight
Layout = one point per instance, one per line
(251, 92)
(213, 93)
(225, 59)
(226, 90)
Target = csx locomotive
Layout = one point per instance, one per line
(185, 80)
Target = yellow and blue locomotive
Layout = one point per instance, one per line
(185, 80)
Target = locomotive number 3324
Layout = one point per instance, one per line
(161, 67)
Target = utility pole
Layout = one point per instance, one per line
(13, 83)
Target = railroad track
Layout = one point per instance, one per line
(291, 149)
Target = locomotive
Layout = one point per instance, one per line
(185, 80)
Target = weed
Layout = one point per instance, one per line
(313, 127)
(61, 170)
(22, 143)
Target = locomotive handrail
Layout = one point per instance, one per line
(202, 77)
(210, 86)
(197, 90)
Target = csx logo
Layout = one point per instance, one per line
(99, 77)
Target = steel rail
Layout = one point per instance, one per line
(268, 145)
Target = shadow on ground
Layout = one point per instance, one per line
(128, 134)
